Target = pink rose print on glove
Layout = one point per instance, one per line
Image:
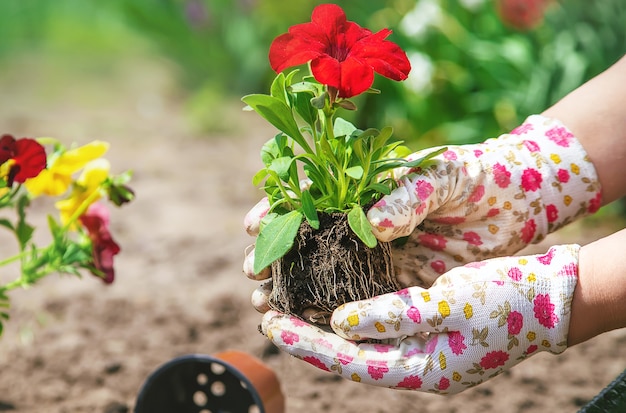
(377, 369)
(522, 129)
(514, 322)
(595, 203)
(438, 266)
(494, 359)
(414, 314)
(552, 212)
(433, 241)
(455, 341)
(316, 362)
(450, 155)
(547, 258)
(444, 383)
(501, 176)
(532, 146)
(560, 136)
(344, 358)
(472, 238)
(563, 176)
(528, 232)
(531, 180)
(410, 382)
(289, 338)
(544, 311)
(515, 274)
(477, 195)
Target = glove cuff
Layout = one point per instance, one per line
(553, 294)
(559, 181)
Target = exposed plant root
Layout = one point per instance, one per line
(328, 267)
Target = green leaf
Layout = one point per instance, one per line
(308, 208)
(6, 223)
(382, 138)
(361, 226)
(276, 239)
(343, 128)
(355, 172)
(319, 102)
(302, 105)
(276, 112)
(281, 166)
(303, 87)
(259, 177)
(277, 89)
(417, 162)
(380, 188)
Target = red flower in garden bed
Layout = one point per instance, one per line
(27, 156)
(104, 248)
(343, 55)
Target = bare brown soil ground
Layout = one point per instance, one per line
(80, 346)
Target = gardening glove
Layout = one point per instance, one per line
(475, 202)
(472, 324)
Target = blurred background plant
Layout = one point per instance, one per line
(479, 66)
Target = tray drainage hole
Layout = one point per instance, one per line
(217, 368)
(202, 379)
(218, 388)
(200, 398)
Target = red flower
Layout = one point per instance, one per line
(410, 382)
(528, 232)
(501, 176)
(343, 55)
(552, 212)
(96, 221)
(544, 311)
(515, 322)
(444, 383)
(494, 359)
(433, 241)
(28, 156)
(316, 362)
(531, 180)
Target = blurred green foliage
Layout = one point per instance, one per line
(473, 77)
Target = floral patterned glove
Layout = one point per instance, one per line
(475, 322)
(492, 199)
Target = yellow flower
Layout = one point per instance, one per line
(567, 200)
(426, 296)
(555, 158)
(86, 190)
(468, 310)
(355, 377)
(575, 169)
(353, 320)
(456, 376)
(442, 361)
(522, 261)
(532, 277)
(57, 178)
(531, 336)
(380, 327)
(444, 309)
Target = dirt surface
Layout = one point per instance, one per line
(80, 346)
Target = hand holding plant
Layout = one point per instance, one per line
(80, 237)
(345, 169)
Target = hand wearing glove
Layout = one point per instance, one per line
(492, 199)
(475, 322)
(475, 202)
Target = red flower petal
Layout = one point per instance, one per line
(343, 55)
(30, 159)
